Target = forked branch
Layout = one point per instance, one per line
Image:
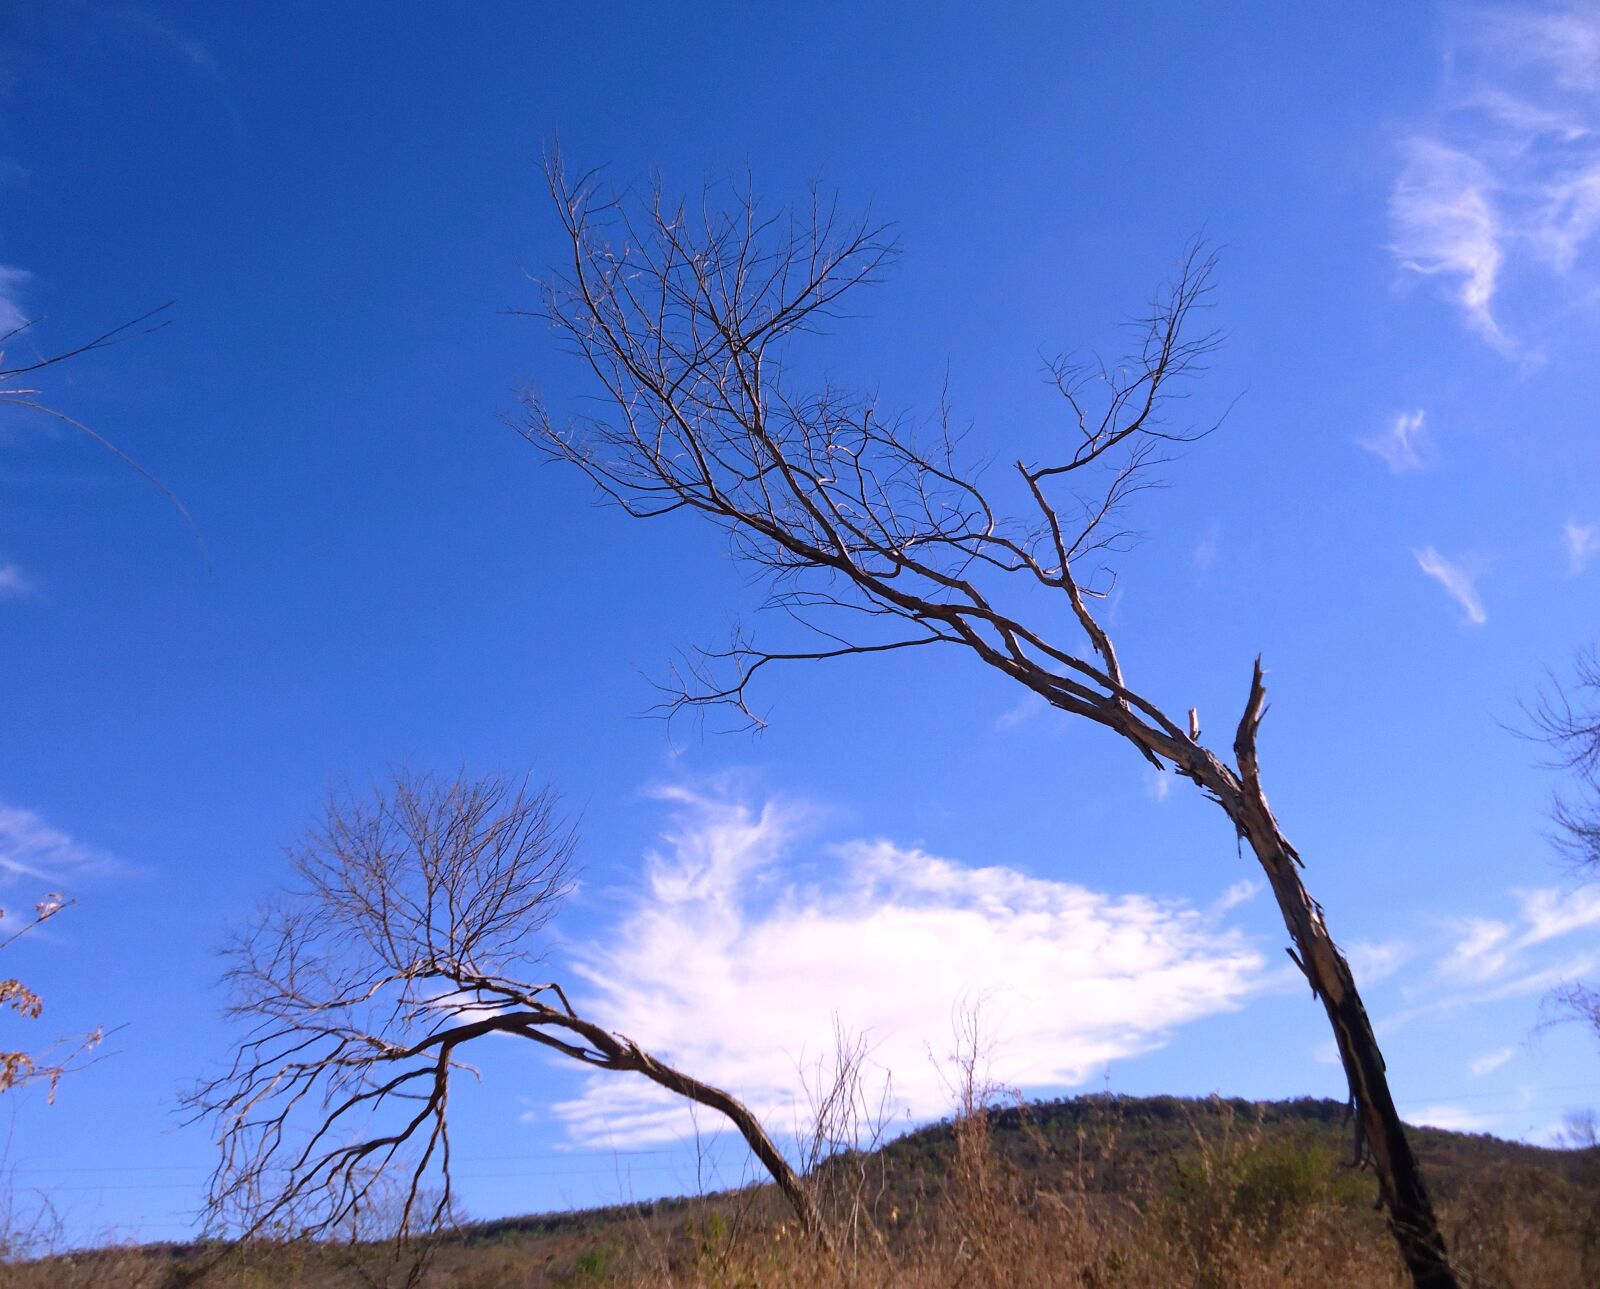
(413, 936)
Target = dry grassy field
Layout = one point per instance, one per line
(1095, 1191)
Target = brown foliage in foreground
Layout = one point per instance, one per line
(1093, 1193)
(19, 1068)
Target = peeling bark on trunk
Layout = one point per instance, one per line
(1380, 1137)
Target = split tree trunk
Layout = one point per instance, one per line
(1380, 1137)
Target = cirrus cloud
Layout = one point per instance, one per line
(34, 849)
(11, 312)
(14, 583)
(1583, 544)
(1459, 583)
(746, 954)
(1405, 445)
(1501, 185)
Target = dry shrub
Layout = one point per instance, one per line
(1522, 1225)
(1244, 1208)
(1002, 1199)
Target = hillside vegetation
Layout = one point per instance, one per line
(1093, 1191)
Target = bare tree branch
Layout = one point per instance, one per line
(414, 933)
(15, 395)
(1566, 717)
(877, 535)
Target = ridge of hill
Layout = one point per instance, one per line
(1134, 1136)
(1222, 1177)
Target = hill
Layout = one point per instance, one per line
(1095, 1190)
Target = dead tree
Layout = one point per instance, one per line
(414, 933)
(1567, 719)
(879, 536)
(20, 1068)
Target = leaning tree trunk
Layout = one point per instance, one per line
(613, 1051)
(755, 1136)
(678, 335)
(1380, 1136)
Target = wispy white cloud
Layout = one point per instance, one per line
(1241, 892)
(1485, 974)
(12, 281)
(1503, 182)
(1405, 446)
(745, 950)
(31, 848)
(1207, 548)
(1548, 914)
(1021, 712)
(191, 51)
(1534, 981)
(14, 583)
(1453, 1118)
(1489, 1062)
(1495, 951)
(1443, 223)
(1583, 544)
(1481, 952)
(1551, 46)
(1372, 961)
(1460, 584)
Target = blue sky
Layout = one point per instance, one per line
(1401, 514)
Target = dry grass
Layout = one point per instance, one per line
(999, 1198)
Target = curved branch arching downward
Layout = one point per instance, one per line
(411, 938)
